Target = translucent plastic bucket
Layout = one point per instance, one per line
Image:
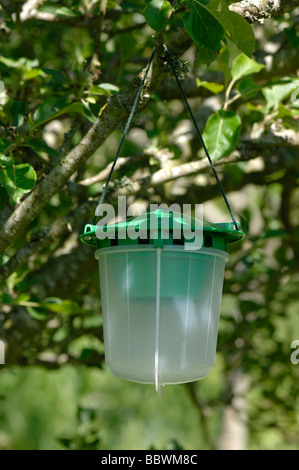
(160, 311)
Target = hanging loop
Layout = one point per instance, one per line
(127, 127)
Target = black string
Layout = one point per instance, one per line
(125, 132)
(169, 60)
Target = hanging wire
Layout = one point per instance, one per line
(170, 61)
(125, 132)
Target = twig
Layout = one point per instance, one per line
(121, 162)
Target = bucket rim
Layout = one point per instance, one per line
(167, 248)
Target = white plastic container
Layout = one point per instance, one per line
(160, 295)
(160, 311)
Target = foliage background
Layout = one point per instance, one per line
(60, 64)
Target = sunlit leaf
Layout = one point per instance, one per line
(243, 66)
(65, 11)
(57, 305)
(211, 86)
(221, 133)
(157, 13)
(106, 89)
(27, 68)
(277, 93)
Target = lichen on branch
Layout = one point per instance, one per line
(259, 10)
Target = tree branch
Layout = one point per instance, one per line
(252, 10)
(30, 12)
(259, 10)
(121, 162)
(248, 149)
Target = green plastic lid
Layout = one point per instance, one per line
(159, 228)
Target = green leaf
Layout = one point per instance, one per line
(203, 27)
(38, 310)
(88, 112)
(242, 35)
(273, 233)
(211, 86)
(28, 68)
(10, 62)
(41, 148)
(106, 89)
(223, 65)
(221, 133)
(57, 305)
(277, 93)
(6, 161)
(247, 87)
(51, 109)
(4, 144)
(66, 442)
(18, 111)
(292, 35)
(6, 298)
(29, 73)
(243, 66)
(65, 11)
(23, 297)
(56, 75)
(91, 110)
(17, 180)
(204, 56)
(157, 13)
(220, 10)
(36, 314)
